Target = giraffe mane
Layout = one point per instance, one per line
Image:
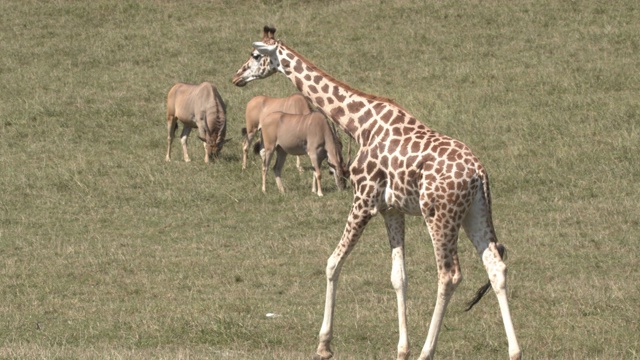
(340, 83)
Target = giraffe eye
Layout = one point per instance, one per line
(255, 56)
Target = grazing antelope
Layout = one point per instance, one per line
(201, 107)
(259, 105)
(297, 134)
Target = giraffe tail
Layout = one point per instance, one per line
(501, 249)
(484, 288)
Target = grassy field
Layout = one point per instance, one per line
(107, 251)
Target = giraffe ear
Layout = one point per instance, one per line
(263, 48)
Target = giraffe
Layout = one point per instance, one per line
(402, 168)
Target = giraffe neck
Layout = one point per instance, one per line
(360, 115)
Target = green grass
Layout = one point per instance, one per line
(107, 251)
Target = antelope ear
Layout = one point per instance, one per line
(263, 48)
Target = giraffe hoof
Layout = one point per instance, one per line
(325, 356)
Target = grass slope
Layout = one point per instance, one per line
(107, 251)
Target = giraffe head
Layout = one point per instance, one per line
(263, 61)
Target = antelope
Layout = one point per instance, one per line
(259, 105)
(201, 107)
(297, 134)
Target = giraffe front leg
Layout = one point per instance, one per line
(358, 219)
(394, 222)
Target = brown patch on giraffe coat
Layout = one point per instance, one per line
(351, 126)
(412, 160)
(337, 95)
(379, 107)
(399, 119)
(362, 119)
(320, 101)
(404, 149)
(394, 162)
(451, 186)
(393, 145)
(325, 88)
(299, 83)
(387, 115)
(307, 77)
(365, 134)
(416, 147)
(428, 166)
(449, 168)
(379, 177)
(337, 112)
(313, 89)
(297, 67)
(377, 130)
(354, 107)
(384, 161)
(317, 79)
(442, 151)
(371, 167)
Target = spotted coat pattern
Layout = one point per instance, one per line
(402, 168)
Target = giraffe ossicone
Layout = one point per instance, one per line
(401, 168)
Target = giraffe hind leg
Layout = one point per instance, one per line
(445, 242)
(395, 224)
(479, 228)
